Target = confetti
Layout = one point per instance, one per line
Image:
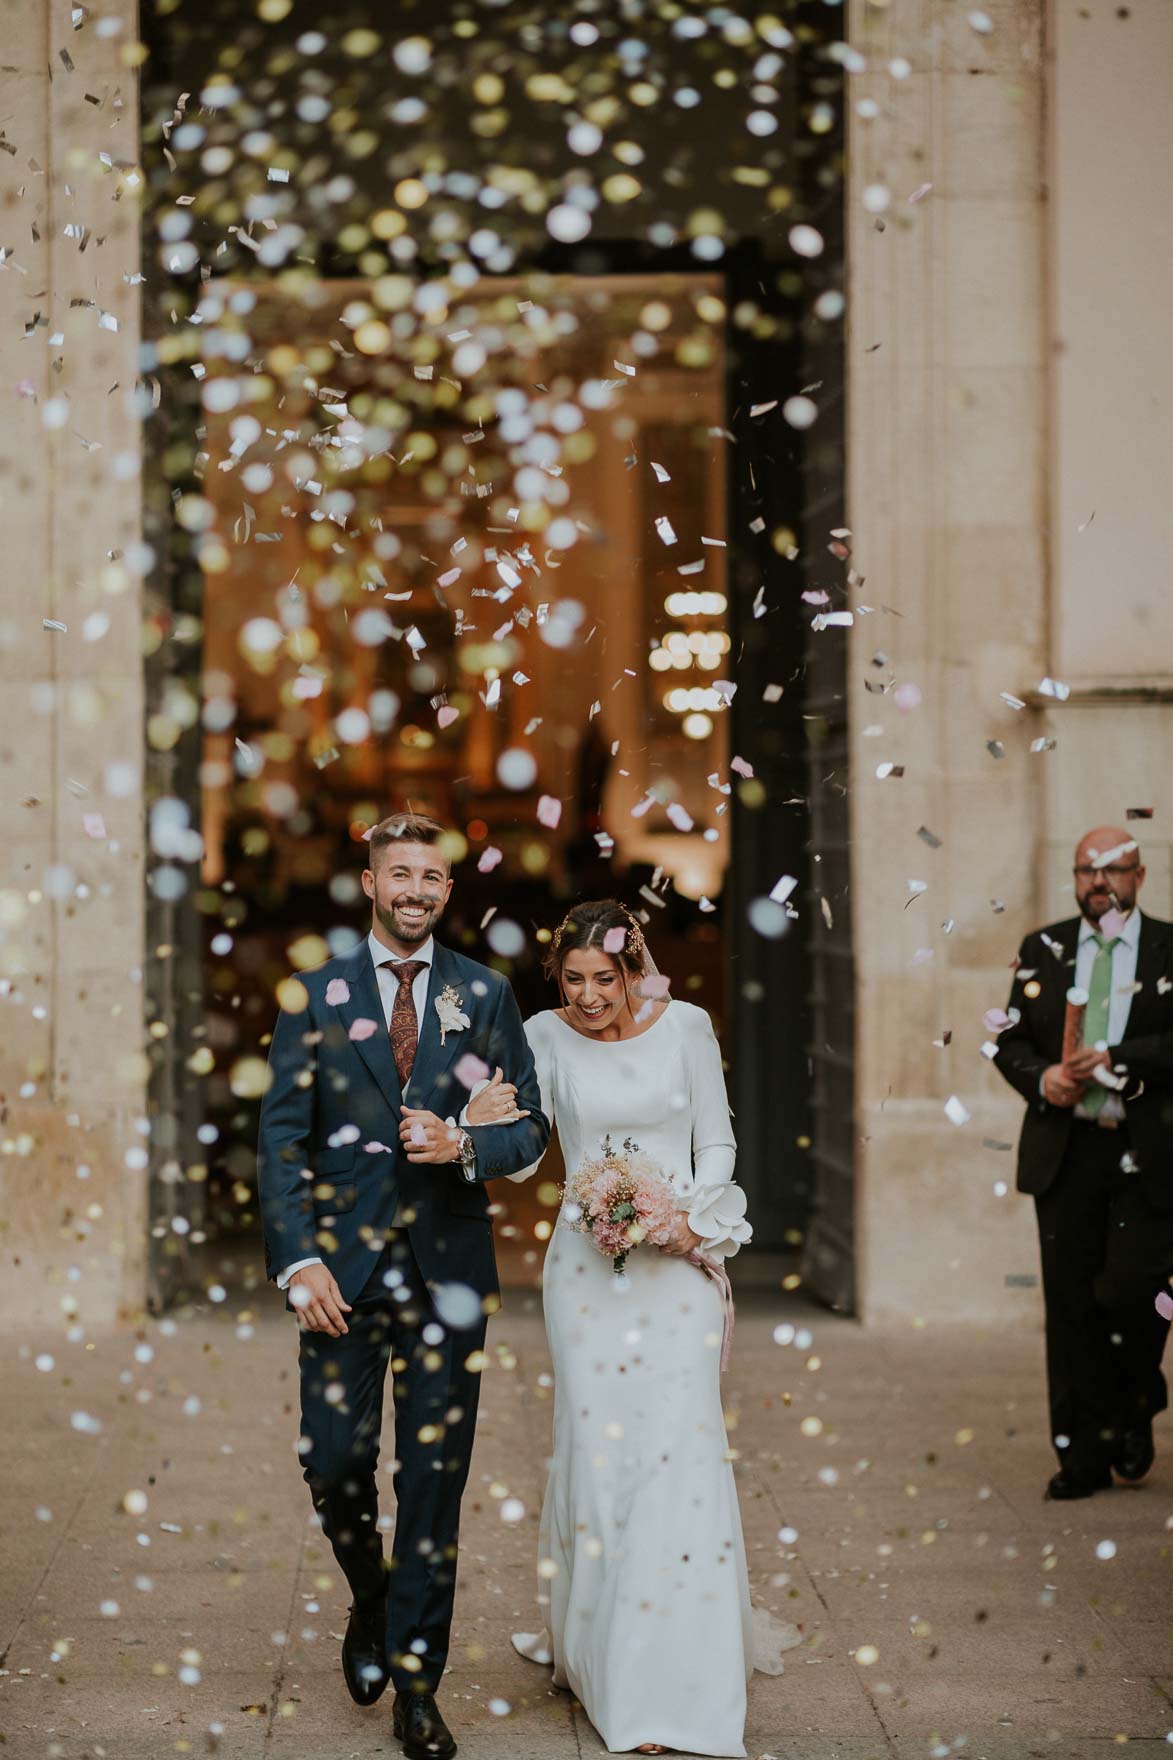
(470, 1069)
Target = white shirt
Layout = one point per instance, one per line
(1120, 996)
(385, 961)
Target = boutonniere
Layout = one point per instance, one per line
(450, 1008)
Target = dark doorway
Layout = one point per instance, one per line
(648, 776)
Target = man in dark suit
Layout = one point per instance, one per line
(1096, 1153)
(377, 1223)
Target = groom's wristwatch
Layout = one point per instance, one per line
(467, 1154)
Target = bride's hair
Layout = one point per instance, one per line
(588, 925)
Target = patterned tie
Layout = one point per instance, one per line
(405, 1027)
(1095, 1015)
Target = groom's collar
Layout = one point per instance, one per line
(382, 955)
(1129, 934)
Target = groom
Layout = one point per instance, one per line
(376, 1222)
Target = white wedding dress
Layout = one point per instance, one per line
(642, 1570)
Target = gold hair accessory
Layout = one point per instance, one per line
(634, 944)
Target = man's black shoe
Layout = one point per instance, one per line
(1066, 1486)
(1136, 1453)
(417, 1723)
(364, 1653)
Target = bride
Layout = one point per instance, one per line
(641, 1559)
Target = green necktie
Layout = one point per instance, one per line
(1095, 1015)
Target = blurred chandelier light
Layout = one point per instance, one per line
(695, 604)
(688, 698)
(681, 649)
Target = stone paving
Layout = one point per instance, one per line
(891, 1492)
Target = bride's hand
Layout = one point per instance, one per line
(683, 1240)
(496, 1103)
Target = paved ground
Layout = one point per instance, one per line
(946, 1608)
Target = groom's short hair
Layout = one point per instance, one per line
(406, 828)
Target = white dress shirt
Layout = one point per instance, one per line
(385, 961)
(1120, 996)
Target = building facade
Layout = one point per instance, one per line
(1006, 411)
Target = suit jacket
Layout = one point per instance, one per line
(1046, 959)
(331, 1173)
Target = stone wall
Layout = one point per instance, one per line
(71, 889)
(947, 499)
(1010, 422)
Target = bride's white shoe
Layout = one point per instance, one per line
(534, 1646)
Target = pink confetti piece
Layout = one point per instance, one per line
(446, 715)
(995, 1020)
(489, 859)
(1112, 924)
(816, 596)
(907, 696)
(362, 1028)
(337, 992)
(93, 824)
(679, 816)
(549, 811)
(742, 766)
(653, 985)
(470, 1070)
(1164, 1305)
(418, 1134)
(375, 1148)
(614, 940)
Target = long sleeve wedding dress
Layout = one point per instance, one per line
(641, 1559)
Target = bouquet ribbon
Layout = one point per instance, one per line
(713, 1269)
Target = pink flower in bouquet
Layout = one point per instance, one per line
(612, 1238)
(656, 1210)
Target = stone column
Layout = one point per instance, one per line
(1111, 176)
(947, 457)
(72, 1153)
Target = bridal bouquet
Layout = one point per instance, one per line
(621, 1201)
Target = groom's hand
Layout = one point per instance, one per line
(317, 1301)
(426, 1138)
(1061, 1086)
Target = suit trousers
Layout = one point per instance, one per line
(1106, 1253)
(393, 1323)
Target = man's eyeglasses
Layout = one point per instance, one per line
(1115, 872)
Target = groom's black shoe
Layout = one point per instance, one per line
(1066, 1486)
(1135, 1453)
(364, 1652)
(416, 1722)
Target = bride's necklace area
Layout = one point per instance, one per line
(563, 1014)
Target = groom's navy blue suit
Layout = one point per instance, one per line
(334, 1183)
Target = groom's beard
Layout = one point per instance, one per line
(414, 932)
